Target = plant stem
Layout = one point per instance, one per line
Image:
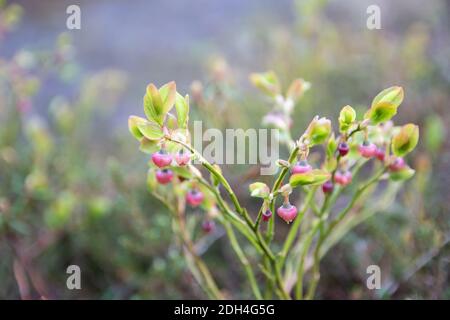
(276, 186)
(206, 282)
(346, 225)
(232, 217)
(220, 177)
(241, 211)
(324, 234)
(316, 270)
(254, 242)
(210, 284)
(270, 281)
(355, 197)
(301, 266)
(243, 259)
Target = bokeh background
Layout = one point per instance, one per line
(72, 187)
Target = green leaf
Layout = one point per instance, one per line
(259, 190)
(297, 88)
(153, 104)
(140, 127)
(157, 103)
(282, 163)
(384, 105)
(168, 94)
(381, 113)
(314, 177)
(172, 147)
(148, 146)
(133, 126)
(318, 131)
(346, 118)
(393, 95)
(406, 140)
(402, 175)
(182, 107)
(331, 164)
(171, 122)
(149, 129)
(182, 172)
(149, 108)
(267, 82)
(331, 146)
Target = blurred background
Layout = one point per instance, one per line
(72, 187)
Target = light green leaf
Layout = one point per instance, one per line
(153, 104)
(149, 109)
(267, 82)
(259, 190)
(133, 122)
(148, 146)
(346, 117)
(157, 103)
(172, 147)
(402, 175)
(168, 94)
(393, 95)
(318, 131)
(314, 177)
(182, 172)
(171, 122)
(297, 88)
(406, 140)
(331, 164)
(384, 105)
(149, 129)
(182, 107)
(331, 146)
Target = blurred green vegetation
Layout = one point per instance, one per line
(73, 193)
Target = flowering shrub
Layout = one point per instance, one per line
(367, 151)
